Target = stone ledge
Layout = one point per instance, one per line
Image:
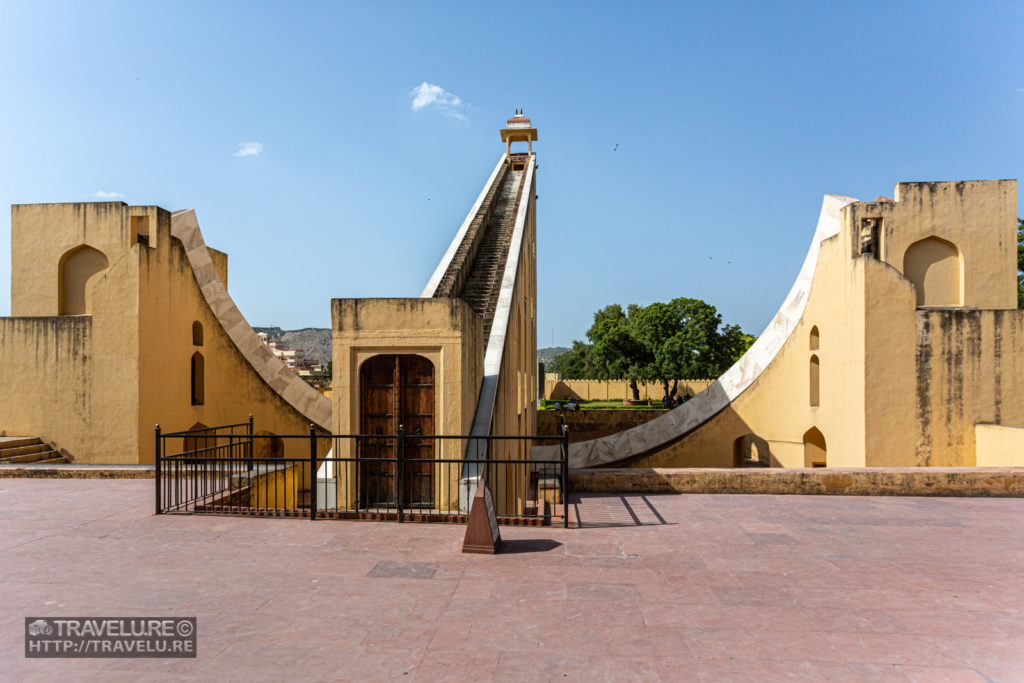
(77, 471)
(1005, 482)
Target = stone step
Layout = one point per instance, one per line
(15, 441)
(6, 452)
(53, 461)
(39, 458)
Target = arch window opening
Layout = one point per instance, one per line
(815, 382)
(197, 379)
(197, 333)
(815, 339)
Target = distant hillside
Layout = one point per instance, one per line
(314, 341)
(547, 355)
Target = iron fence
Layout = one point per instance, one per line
(403, 477)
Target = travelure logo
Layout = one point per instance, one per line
(110, 637)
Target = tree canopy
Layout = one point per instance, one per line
(662, 342)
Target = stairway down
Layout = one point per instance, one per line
(27, 450)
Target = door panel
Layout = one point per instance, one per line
(377, 394)
(417, 411)
(396, 390)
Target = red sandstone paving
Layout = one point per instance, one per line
(651, 587)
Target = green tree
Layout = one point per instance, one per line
(615, 351)
(657, 343)
(682, 339)
(576, 363)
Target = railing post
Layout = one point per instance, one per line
(400, 473)
(156, 463)
(248, 446)
(312, 471)
(565, 476)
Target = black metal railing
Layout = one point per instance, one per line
(403, 477)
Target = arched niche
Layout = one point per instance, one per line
(815, 381)
(815, 451)
(197, 333)
(933, 265)
(269, 446)
(815, 338)
(751, 450)
(78, 271)
(199, 437)
(198, 372)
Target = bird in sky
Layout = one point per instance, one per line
(616, 147)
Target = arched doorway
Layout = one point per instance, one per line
(78, 272)
(814, 448)
(933, 265)
(397, 390)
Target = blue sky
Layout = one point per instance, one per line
(732, 120)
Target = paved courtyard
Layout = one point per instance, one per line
(690, 587)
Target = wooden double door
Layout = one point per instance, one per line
(396, 389)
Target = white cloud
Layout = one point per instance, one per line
(430, 95)
(249, 149)
(100, 194)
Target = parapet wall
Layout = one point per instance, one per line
(996, 482)
(616, 389)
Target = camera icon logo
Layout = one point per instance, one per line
(40, 627)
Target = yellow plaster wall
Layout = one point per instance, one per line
(888, 412)
(96, 385)
(71, 380)
(42, 233)
(971, 370)
(999, 445)
(615, 389)
(970, 214)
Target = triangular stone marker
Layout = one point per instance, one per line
(482, 534)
